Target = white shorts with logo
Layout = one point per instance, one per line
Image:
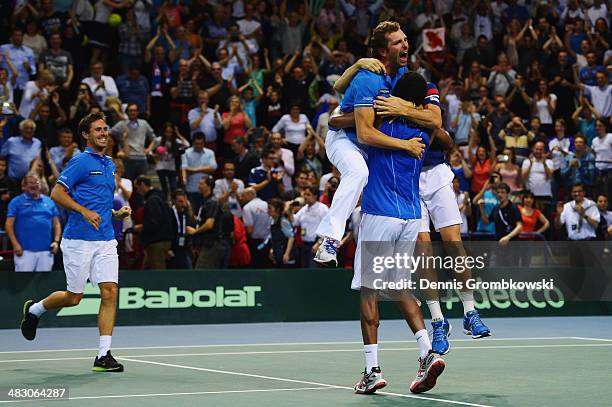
(33, 261)
(374, 228)
(94, 260)
(438, 201)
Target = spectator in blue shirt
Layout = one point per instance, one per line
(134, 88)
(588, 74)
(578, 167)
(22, 58)
(266, 179)
(20, 151)
(33, 226)
(67, 148)
(195, 164)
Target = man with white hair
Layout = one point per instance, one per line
(20, 151)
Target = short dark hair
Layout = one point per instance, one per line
(209, 181)
(378, 39)
(240, 140)
(277, 204)
(411, 87)
(578, 184)
(197, 136)
(527, 194)
(266, 153)
(143, 179)
(179, 192)
(504, 186)
(85, 123)
(313, 190)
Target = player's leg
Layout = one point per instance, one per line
(447, 220)
(350, 161)
(77, 260)
(105, 273)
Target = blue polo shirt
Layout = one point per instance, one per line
(19, 154)
(90, 181)
(258, 175)
(393, 184)
(33, 221)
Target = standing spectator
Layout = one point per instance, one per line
(294, 126)
(245, 159)
(292, 29)
(465, 122)
(487, 199)
(323, 121)
(8, 190)
(482, 164)
(134, 88)
(282, 251)
(102, 86)
(602, 147)
(530, 217)
(21, 63)
(82, 106)
(588, 74)
(67, 148)
(308, 219)
(579, 166)
(285, 157)
(32, 39)
(537, 173)
(130, 42)
(33, 226)
(559, 148)
(257, 223)
(266, 179)
(580, 216)
(474, 80)
(561, 83)
(605, 218)
(331, 186)
(601, 95)
(502, 77)
(463, 202)
(505, 215)
(584, 118)
(270, 108)
(59, 63)
(235, 123)
(48, 124)
(36, 92)
(168, 148)
(203, 119)
(461, 169)
(159, 74)
(208, 231)
(156, 230)
(196, 162)
(6, 87)
(241, 256)
(183, 91)
(516, 138)
(510, 172)
(544, 106)
(20, 151)
(180, 256)
(140, 138)
(308, 157)
(228, 188)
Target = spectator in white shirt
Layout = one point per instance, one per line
(605, 218)
(308, 219)
(250, 28)
(36, 92)
(323, 121)
(205, 120)
(228, 188)
(102, 86)
(537, 171)
(601, 95)
(602, 147)
(257, 223)
(293, 125)
(579, 216)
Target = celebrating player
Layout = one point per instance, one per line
(391, 219)
(86, 188)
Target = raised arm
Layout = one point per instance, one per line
(371, 64)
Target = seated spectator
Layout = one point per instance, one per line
(156, 230)
(282, 240)
(140, 137)
(308, 219)
(37, 169)
(245, 160)
(579, 166)
(580, 216)
(537, 173)
(33, 227)
(168, 149)
(228, 188)
(266, 179)
(180, 254)
(20, 151)
(257, 223)
(505, 216)
(196, 163)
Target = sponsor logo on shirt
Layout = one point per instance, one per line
(96, 173)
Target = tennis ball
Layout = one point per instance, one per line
(114, 20)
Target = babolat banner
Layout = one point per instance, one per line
(231, 296)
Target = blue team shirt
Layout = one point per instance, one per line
(33, 221)
(90, 181)
(393, 184)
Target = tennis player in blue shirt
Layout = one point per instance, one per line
(86, 188)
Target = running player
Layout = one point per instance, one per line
(345, 147)
(86, 188)
(390, 222)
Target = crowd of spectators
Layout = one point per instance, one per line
(219, 110)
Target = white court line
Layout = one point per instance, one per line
(195, 393)
(541, 338)
(584, 338)
(278, 352)
(299, 381)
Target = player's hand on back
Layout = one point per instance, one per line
(371, 64)
(415, 147)
(92, 218)
(391, 106)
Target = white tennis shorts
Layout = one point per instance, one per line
(94, 260)
(438, 201)
(33, 261)
(393, 233)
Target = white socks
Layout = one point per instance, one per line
(105, 343)
(422, 339)
(435, 310)
(371, 356)
(37, 309)
(467, 298)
